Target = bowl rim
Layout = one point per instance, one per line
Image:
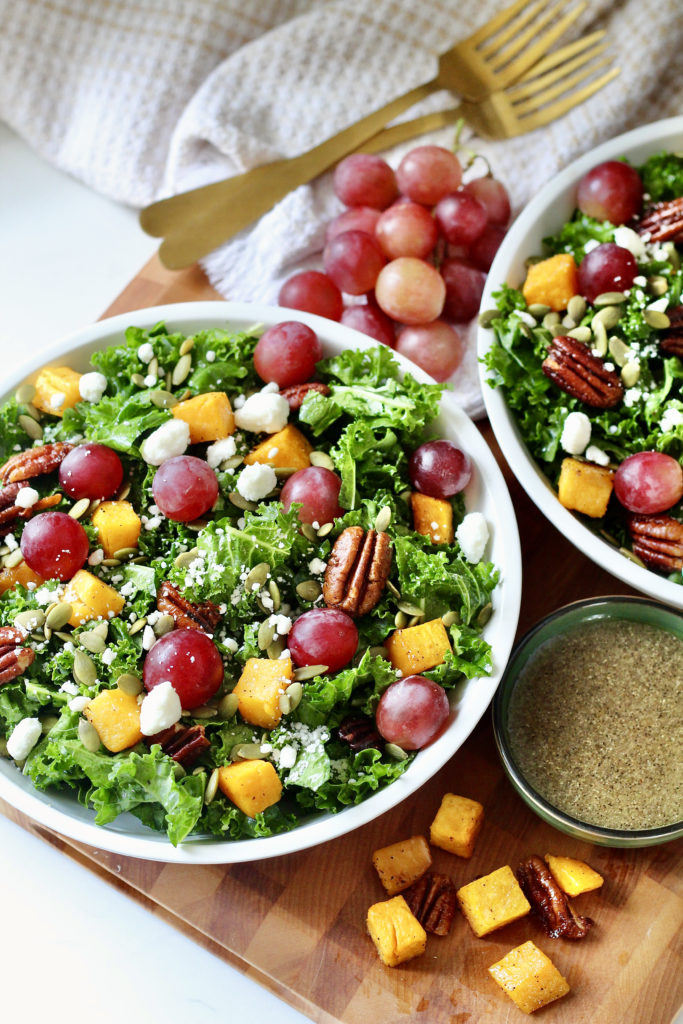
(505, 690)
(651, 137)
(323, 827)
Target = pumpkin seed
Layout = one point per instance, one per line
(25, 394)
(181, 369)
(630, 373)
(125, 553)
(47, 632)
(576, 307)
(95, 504)
(197, 524)
(379, 652)
(383, 519)
(599, 337)
(110, 563)
(130, 684)
(59, 615)
(394, 590)
(233, 462)
(4, 550)
(539, 310)
(309, 531)
(656, 285)
(169, 381)
(653, 318)
(12, 560)
(88, 735)
(283, 472)
(138, 380)
(153, 368)
(92, 642)
(163, 399)
(551, 320)
(239, 502)
(284, 704)
(485, 614)
(274, 592)
(525, 329)
(276, 648)
(400, 620)
(227, 706)
(186, 558)
(211, 787)
(84, 670)
(309, 672)
(309, 590)
(101, 629)
(30, 427)
(558, 329)
(411, 609)
(394, 751)
(609, 316)
(178, 771)
(164, 625)
(139, 560)
(631, 557)
(321, 459)
(64, 637)
(247, 752)
(204, 712)
(136, 626)
(32, 618)
(415, 621)
(4, 752)
(200, 770)
(325, 529)
(78, 510)
(257, 577)
(672, 255)
(619, 351)
(266, 635)
(186, 346)
(487, 316)
(47, 723)
(295, 692)
(609, 299)
(583, 334)
(450, 619)
(568, 321)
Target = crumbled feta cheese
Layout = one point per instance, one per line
(271, 388)
(640, 280)
(146, 353)
(150, 380)
(671, 419)
(239, 401)
(148, 637)
(168, 440)
(108, 656)
(317, 566)
(25, 735)
(45, 595)
(96, 556)
(57, 400)
(210, 355)
(160, 709)
(254, 482)
(26, 497)
(282, 624)
(69, 686)
(659, 305)
(576, 433)
(219, 451)
(263, 412)
(472, 536)
(92, 386)
(591, 244)
(526, 318)
(230, 644)
(78, 703)
(595, 454)
(287, 757)
(11, 542)
(629, 239)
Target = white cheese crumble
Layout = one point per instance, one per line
(150, 380)
(26, 497)
(57, 400)
(160, 709)
(167, 441)
(96, 556)
(219, 451)
(148, 637)
(92, 386)
(629, 239)
(210, 355)
(254, 482)
(282, 624)
(78, 703)
(317, 566)
(11, 542)
(671, 419)
(472, 536)
(576, 433)
(595, 454)
(69, 686)
(659, 305)
(146, 353)
(263, 412)
(25, 735)
(591, 244)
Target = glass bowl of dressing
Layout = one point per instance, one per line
(588, 719)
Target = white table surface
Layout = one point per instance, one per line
(71, 946)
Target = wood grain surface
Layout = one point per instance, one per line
(296, 924)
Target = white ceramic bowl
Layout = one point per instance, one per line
(544, 215)
(486, 493)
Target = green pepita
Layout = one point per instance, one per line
(25, 394)
(153, 368)
(284, 704)
(609, 299)
(394, 751)
(136, 626)
(539, 310)
(14, 559)
(247, 752)
(197, 524)
(653, 318)
(599, 337)
(450, 619)
(656, 285)
(383, 519)
(283, 472)
(309, 672)
(204, 712)
(309, 590)
(101, 629)
(227, 706)
(130, 684)
(309, 531)
(138, 380)
(123, 491)
(583, 334)
(325, 529)
(275, 649)
(631, 557)
(163, 625)
(163, 399)
(181, 369)
(87, 734)
(378, 652)
(110, 563)
(84, 670)
(63, 636)
(576, 307)
(484, 615)
(321, 459)
(92, 642)
(487, 316)
(551, 320)
(124, 553)
(58, 616)
(186, 346)
(630, 373)
(411, 609)
(186, 558)
(30, 427)
(619, 351)
(78, 510)
(32, 618)
(401, 620)
(236, 499)
(47, 723)
(609, 316)
(257, 577)
(295, 692)
(266, 635)
(394, 590)
(211, 786)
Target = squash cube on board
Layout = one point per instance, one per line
(418, 648)
(585, 487)
(402, 863)
(116, 718)
(552, 282)
(457, 825)
(529, 977)
(118, 526)
(209, 416)
(432, 517)
(18, 574)
(90, 598)
(288, 447)
(57, 389)
(573, 876)
(493, 901)
(251, 785)
(396, 932)
(259, 688)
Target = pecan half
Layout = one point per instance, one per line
(573, 367)
(357, 571)
(14, 659)
(297, 392)
(34, 462)
(360, 734)
(672, 338)
(663, 222)
(9, 514)
(204, 615)
(549, 903)
(657, 540)
(432, 899)
(183, 743)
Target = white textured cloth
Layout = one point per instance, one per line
(144, 98)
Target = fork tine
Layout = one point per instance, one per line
(551, 60)
(560, 88)
(531, 122)
(510, 72)
(496, 40)
(496, 23)
(533, 86)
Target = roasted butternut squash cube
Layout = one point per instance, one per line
(18, 574)
(529, 977)
(573, 876)
(585, 487)
(552, 282)
(396, 932)
(457, 825)
(116, 718)
(288, 447)
(90, 598)
(251, 785)
(432, 517)
(492, 901)
(259, 688)
(57, 389)
(118, 526)
(209, 416)
(418, 648)
(402, 863)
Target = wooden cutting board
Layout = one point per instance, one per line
(296, 924)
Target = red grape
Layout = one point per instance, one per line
(412, 711)
(317, 490)
(190, 661)
(406, 229)
(323, 636)
(372, 321)
(358, 218)
(313, 292)
(353, 260)
(493, 196)
(428, 173)
(184, 488)
(607, 268)
(483, 250)
(611, 191)
(648, 482)
(410, 291)
(464, 289)
(91, 471)
(461, 218)
(439, 469)
(436, 347)
(54, 545)
(363, 179)
(287, 353)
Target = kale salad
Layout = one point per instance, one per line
(189, 565)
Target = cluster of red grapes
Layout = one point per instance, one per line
(415, 244)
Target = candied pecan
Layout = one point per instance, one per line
(671, 342)
(549, 903)
(297, 392)
(183, 743)
(8, 494)
(657, 540)
(34, 462)
(663, 222)
(573, 367)
(9, 514)
(14, 659)
(357, 570)
(204, 615)
(360, 734)
(432, 899)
